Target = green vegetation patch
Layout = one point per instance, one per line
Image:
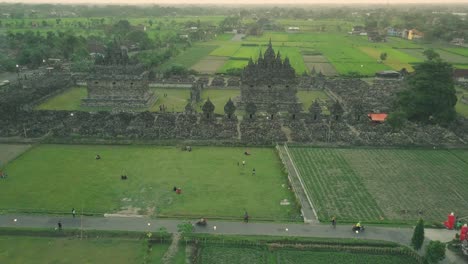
(324, 257)
(383, 184)
(308, 97)
(219, 98)
(225, 50)
(459, 51)
(214, 254)
(68, 250)
(68, 100)
(191, 56)
(55, 178)
(174, 100)
(462, 107)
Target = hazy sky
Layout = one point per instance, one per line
(234, 2)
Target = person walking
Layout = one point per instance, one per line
(253, 172)
(243, 164)
(73, 212)
(59, 224)
(246, 217)
(333, 222)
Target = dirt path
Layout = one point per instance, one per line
(172, 250)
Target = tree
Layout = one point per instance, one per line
(430, 95)
(396, 120)
(418, 236)
(383, 56)
(185, 228)
(431, 54)
(435, 251)
(229, 108)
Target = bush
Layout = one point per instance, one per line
(435, 251)
(418, 236)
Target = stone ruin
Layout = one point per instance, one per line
(270, 80)
(116, 82)
(195, 92)
(233, 82)
(218, 81)
(119, 86)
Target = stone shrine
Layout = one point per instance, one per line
(116, 82)
(268, 81)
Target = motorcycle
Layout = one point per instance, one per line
(201, 222)
(358, 229)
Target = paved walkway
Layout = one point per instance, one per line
(307, 209)
(143, 224)
(399, 235)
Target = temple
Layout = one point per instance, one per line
(116, 82)
(269, 80)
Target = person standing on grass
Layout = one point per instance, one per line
(246, 217)
(243, 164)
(253, 172)
(73, 212)
(59, 224)
(333, 222)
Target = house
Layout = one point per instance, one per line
(356, 30)
(458, 41)
(377, 117)
(393, 32)
(293, 29)
(412, 34)
(460, 75)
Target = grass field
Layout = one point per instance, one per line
(219, 98)
(68, 100)
(384, 184)
(191, 56)
(225, 50)
(232, 254)
(308, 97)
(18, 250)
(209, 64)
(175, 101)
(9, 152)
(55, 178)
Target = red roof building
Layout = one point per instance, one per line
(377, 117)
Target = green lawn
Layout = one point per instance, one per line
(69, 250)
(55, 178)
(219, 98)
(308, 97)
(175, 99)
(68, 100)
(382, 184)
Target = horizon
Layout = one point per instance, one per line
(239, 2)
